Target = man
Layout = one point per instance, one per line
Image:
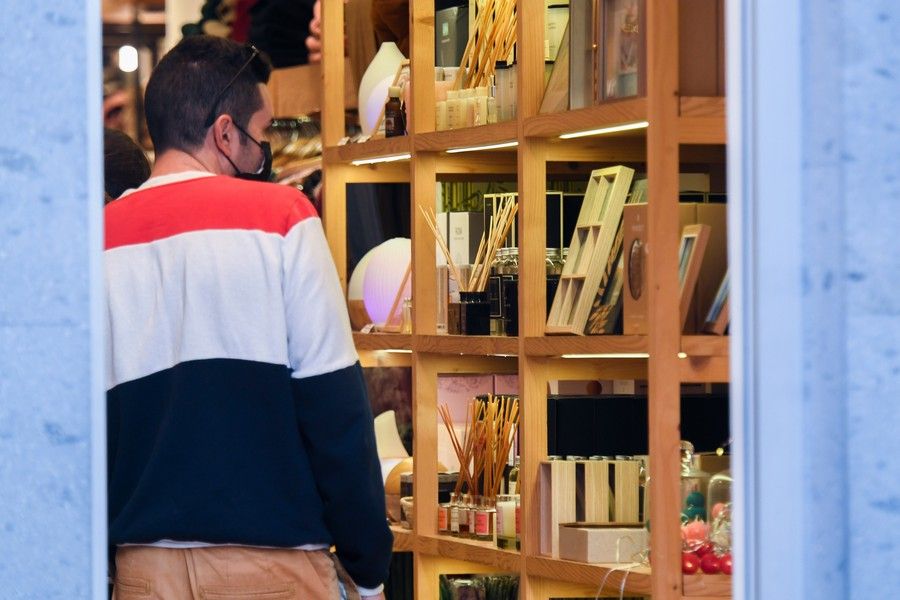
(241, 443)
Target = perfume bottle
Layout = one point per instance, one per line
(394, 116)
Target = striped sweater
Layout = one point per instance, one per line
(237, 411)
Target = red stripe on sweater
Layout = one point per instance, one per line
(201, 204)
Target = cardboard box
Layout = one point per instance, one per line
(465, 230)
(601, 543)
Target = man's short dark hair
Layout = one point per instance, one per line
(188, 84)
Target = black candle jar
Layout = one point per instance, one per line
(474, 313)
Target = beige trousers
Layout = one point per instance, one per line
(228, 573)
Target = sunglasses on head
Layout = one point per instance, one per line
(210, 119)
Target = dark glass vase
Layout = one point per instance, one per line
(474, 313)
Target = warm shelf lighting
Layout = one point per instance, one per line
(606, 130)
(682, 355)
(511, 144)
(381, 159)
(398, 351)
(609, 355)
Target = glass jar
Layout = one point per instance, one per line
(694, 482)
(553, 266)
(495, 291)
(509, 283)
(718, 508)
(406, 322)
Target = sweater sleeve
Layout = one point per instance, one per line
(333, 412)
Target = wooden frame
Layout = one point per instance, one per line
(607, 308)
(718, 317)
(690, 258)
(595, 233)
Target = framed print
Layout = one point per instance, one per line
(690, 258)
(622, 63)
(717, 318)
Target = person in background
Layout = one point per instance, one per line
(125, 165)
(241, 443)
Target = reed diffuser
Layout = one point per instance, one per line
(483, 452)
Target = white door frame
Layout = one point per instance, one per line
(765, 258)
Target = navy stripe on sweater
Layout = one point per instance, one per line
(232, 451)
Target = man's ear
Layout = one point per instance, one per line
(225, 135)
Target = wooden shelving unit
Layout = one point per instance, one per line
(680, 130)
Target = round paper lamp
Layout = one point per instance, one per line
(359, 318)
(383, 277)
(373, 88)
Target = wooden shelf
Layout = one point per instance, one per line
(586, 344)
(404, 539)
(368, 150)
(472, 345)
(382, 341)
(594, 117)
(441, 141)
(705, 345)
(637, 579)
(702, 120)
(484, 553)
(707, 586)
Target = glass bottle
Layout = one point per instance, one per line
(694, 482)
(514, 478)
(463, 526)
(495, 292)
(394, 117)
(474, 502)
(485, 519)
(443, 524)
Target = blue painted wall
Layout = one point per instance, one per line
(50, 194)
(851, 172)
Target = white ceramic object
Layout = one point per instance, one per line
(373, 89)
(355, 286)
(383, 276)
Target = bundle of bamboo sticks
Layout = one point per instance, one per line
(491, 241)
(491, 426)
(492, 40)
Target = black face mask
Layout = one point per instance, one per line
(265, 169)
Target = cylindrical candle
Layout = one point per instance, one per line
(506, 521)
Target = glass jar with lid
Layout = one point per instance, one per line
(509, 282)
(718, 508)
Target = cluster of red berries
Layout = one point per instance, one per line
(703, 558)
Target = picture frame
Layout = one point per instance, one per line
(621, 64)
(690, 259)
(718, 317)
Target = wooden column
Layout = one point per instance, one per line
(665, 332)
(334, 178)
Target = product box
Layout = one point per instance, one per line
(442, 219)
(451, 33)
(465, 230)
(601, 543)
